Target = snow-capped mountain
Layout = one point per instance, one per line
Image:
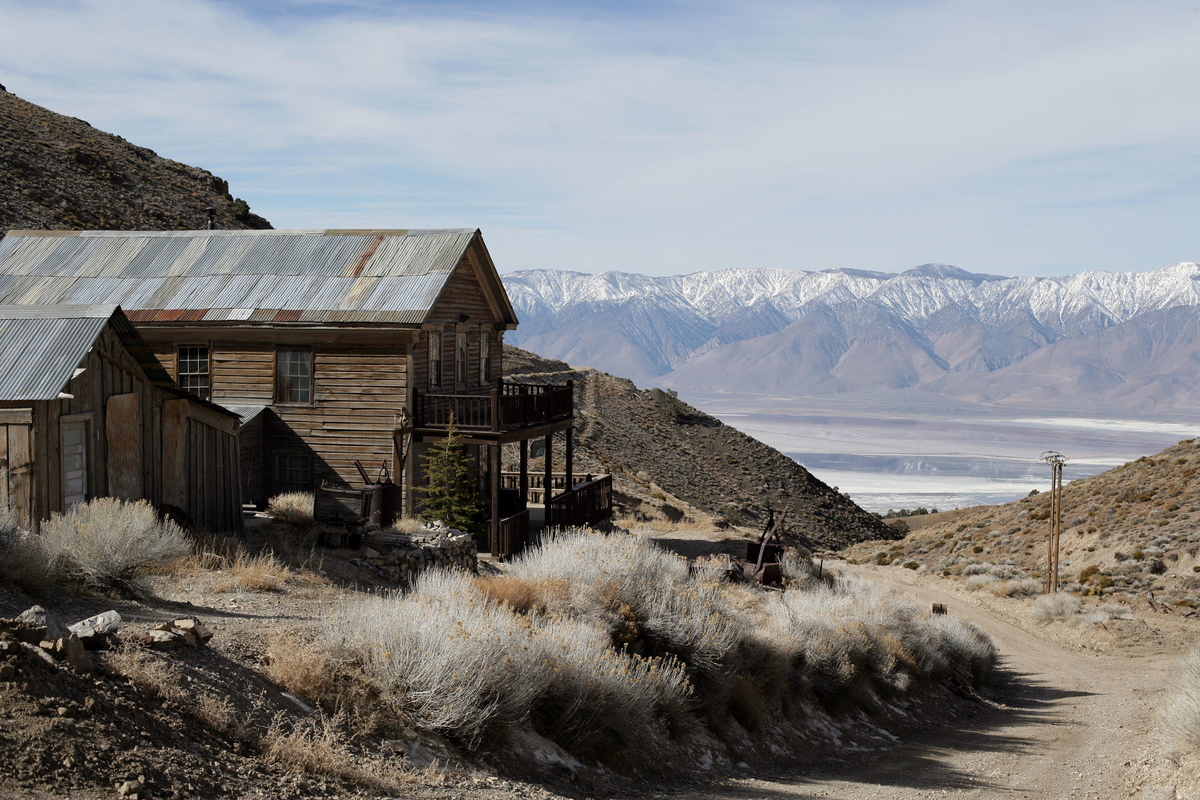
(934, 327)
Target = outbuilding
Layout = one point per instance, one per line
(86, 411)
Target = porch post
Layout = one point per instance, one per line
(494, 533)
(523, 486)
(548, 484)
(570, 457)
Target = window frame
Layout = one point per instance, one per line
(485, 358)
(462, 359)
(208, 373)
(282, 485)
(281, 387)
(435, 360)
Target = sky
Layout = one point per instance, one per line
(664, 137)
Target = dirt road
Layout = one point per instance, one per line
(1068, 724)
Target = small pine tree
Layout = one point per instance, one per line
(450, 495)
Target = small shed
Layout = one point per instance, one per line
(87, 411)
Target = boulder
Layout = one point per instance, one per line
(95, 631)
(40, 616)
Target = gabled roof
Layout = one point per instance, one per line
(41, 346)
(385, 276)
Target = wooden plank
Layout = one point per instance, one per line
(16, 416)
(174, 452)
(20, 473)
(123, 427)
(4, 481)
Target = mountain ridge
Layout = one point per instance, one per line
(709, 331)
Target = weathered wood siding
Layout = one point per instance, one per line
(124, 455)
(360, 386)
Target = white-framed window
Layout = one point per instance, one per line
(192, 370)
(293, 375)
(435, 359)
(485, 357)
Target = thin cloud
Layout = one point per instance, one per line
(666, 137)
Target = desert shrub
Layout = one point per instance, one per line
(1016, 588)
(23, 561)
(106, 542)
(408, 525)
(291, 508)
(612, 646)
(1055, 606)
(1087, 573)
(978, 581)
(1179, 710)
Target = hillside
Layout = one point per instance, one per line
(58, 172)
(1096, 341)
(1133, 530)
(655, 444)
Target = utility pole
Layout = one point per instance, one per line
(1056, 461)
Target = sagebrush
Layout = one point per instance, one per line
(105, 542)
(615, 648)
(1179, 710)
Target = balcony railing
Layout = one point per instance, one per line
(505, 407)
(586, 504)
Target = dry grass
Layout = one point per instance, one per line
(409, 526)
(522, 595)
(151, 671)
(300, 666)
(291, 508)
(263, 572)
(215, 712)
(320, 747)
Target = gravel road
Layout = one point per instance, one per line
(1070, 723)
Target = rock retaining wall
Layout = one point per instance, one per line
(399, 557)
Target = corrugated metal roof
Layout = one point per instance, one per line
(323, 275)
(247, 411)
(41, 346)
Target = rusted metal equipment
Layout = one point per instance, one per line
(765, 568)
(939, 608)
(385, 499)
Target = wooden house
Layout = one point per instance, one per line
(87, 411)
(333, 346)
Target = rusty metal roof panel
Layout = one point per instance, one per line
(369, 271)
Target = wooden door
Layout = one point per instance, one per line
(460, 362)
(123, 423)
(74, 463)
(16, 469)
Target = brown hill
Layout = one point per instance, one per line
(655, 445)
(1132, 530)
(58, 172)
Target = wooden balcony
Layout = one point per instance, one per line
(508, 412)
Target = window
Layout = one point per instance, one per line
(191, 371)
(435, 358)
(293, 375)
(460, 359)
(292, 473)
(485, 357)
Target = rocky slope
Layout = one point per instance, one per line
(1133, 530)
(58, 172)
(655, 445)
(981, 338)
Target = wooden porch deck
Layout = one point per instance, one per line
(508, 412)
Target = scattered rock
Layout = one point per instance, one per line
(95, 631)
(37, 615)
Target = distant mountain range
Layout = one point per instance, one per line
(1094, 341)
